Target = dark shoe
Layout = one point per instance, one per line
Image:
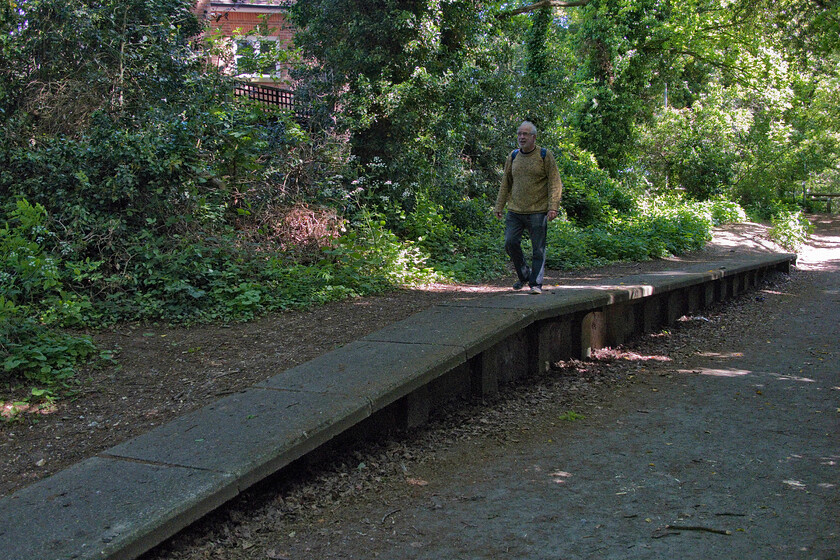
(519, 285)
(536, 290)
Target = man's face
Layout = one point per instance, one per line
(526, 138)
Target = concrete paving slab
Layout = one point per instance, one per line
(691, 274)
(381, 372)
(553, 302)
(472, 328)
(664, 281)
(249, 435)
(106, 508)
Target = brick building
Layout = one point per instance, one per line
(243, 30)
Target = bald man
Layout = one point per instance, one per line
(531, 190)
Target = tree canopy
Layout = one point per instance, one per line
(598, 73)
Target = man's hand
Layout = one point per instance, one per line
(552, 214)
(498, 215)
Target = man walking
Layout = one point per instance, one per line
(531, 189)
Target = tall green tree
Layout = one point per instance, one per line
(773, 56)
(417, 84)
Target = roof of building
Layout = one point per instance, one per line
(261, 4)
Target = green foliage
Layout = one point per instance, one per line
(426, 87)
(478, 256)
(620, 43)
(678, 231)
(724, 211)
(590, 195)
(34, 301)
(34, 279)
(168, 169)
(428, 224)
(571, 416)
(36, 353)
(790, 229)
(569, 247)
(377, 257)
(660, 228)
(63, 60)
(27, 272)
(537, 63)
(695, 148)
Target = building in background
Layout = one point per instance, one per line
(251, 39)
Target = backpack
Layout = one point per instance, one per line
(516, 151)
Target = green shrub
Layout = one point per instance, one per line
(34, 304)
(590, 195)
(790, 229)
(568, 246)
(34, 352)
(661, 227)
(373, 258)
(469, 252)
(619, 241)
(476, 256)
(724, 211)
(427, 224)
(673, 225)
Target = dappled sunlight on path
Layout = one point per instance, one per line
(822, 251)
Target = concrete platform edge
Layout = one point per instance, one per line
(172, 495)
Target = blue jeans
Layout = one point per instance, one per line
(537, 226)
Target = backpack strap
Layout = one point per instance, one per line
(513, 154)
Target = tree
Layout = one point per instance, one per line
(416, 84)
(63, 61)
(543, 5)
(109, 119)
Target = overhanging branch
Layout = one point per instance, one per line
(545, 4)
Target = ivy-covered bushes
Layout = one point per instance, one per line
(168, 172)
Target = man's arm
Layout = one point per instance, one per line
(555, 186)
(504, 189)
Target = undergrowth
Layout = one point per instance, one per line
(47, 298)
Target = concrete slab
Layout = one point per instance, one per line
(553, 302)
(664, 281)
(690, 274)
(380, 372)
(106, 508)
(249, 435)
(474, 329)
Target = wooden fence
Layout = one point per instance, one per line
(284, 99)
(824, 197)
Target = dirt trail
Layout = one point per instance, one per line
(717, 438)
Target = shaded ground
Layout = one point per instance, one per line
(717, 438)
(164, 372)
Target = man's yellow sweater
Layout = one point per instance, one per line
(530, 184)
